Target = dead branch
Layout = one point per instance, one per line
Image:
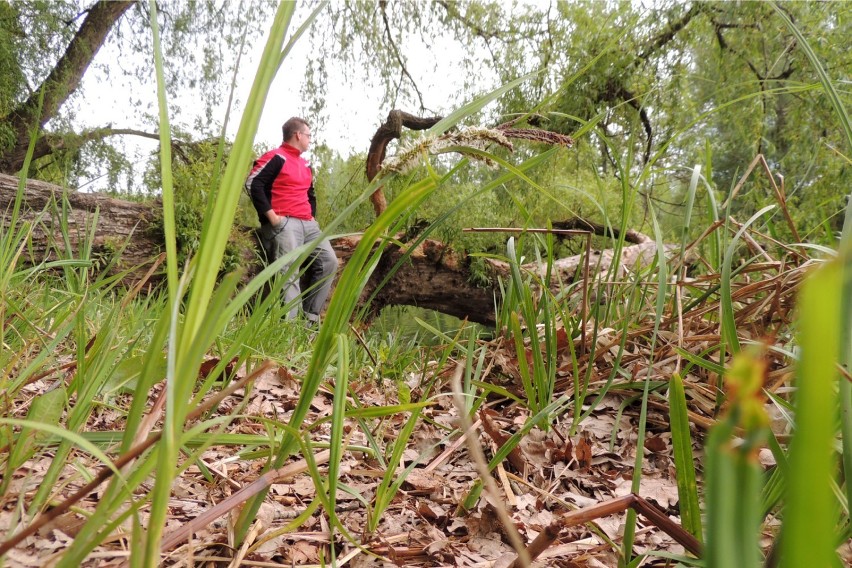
(580, 224)
(631, 501)
(391, 130)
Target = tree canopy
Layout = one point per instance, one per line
(46, 49)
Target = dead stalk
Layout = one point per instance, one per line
(779, 192)
(473, 447)
(240, 497)
(641, 506)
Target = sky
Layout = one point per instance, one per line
(352, 113)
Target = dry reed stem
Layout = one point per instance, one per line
(238, 498)
(481, 463)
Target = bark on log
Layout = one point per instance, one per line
(120, 223)
(432, 276)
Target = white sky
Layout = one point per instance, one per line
(351, 116)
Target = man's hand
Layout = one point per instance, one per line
(273, 217)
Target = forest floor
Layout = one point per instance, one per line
(553, 472)
(423, 525)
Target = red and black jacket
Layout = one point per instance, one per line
(282, 180)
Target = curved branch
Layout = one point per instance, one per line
(108, 131)
(390, 130)
(666, 36)
(50, 143)
(616, 91)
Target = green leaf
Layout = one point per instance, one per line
(126, 374)
(72, 437)
(46, 409)
(687, 487)
(810, 516)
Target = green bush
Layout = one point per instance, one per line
(194, 168)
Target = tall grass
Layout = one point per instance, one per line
(826, 312)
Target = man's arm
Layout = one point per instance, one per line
(312, 199)
(259, 184)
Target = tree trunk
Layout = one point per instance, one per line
(62, 81)
(432, 276)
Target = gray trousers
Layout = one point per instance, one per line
(288, 235)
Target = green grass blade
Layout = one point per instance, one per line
(687, 215)
(845, 243)
(70, 437)
(46, 408)
(722, 542)
(827, 84)
(214, 239)
(662, 280)
(342, 305)
(168, 194)
(338, 411)
(733, 475)
(301, 31)
(475, 106)
(687, 486)
(810, 515)
(390, 483)
(183, 346)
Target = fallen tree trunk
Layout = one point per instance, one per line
(430, 275)
(120, 223)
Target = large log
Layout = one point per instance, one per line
(430, 275)
(120, 223)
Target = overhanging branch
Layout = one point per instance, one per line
(392, 129)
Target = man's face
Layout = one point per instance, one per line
(303, 139)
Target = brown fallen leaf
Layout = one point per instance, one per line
(515, 456)
(583, 452)
(424, 480)
(655, 444)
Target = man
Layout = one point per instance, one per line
(282, 190)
